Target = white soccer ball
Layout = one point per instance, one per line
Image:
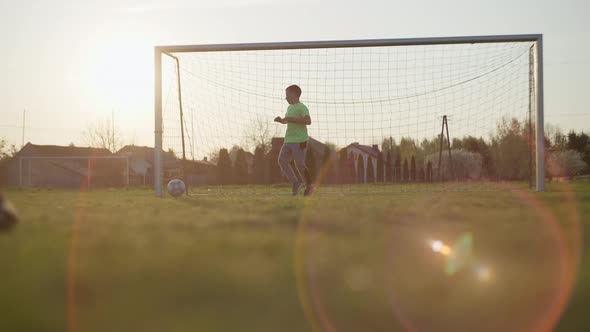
(176, 187)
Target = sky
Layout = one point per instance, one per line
(73, 63)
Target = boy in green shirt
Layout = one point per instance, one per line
(297, 119)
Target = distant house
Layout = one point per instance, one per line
(62, 167)
(141, 161)
(361, 155)
(141, 164)
(314, 146)
(318, 149)
(141, 167)
(271, 158)
(233, 154)
(200, 172)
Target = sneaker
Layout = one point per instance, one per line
(297, 187)
(309, 190)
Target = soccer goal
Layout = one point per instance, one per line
(425, 112)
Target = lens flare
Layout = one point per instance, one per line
(461, 253)
(409, 273)
(436, 245)
(483, 273)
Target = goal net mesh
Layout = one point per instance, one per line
(379, 107)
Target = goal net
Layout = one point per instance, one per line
(408, 114)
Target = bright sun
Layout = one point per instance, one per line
(118, 72)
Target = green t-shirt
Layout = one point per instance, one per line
(296, 133)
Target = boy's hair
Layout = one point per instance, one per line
(294, 88)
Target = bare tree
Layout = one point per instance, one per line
(214, 156)
(260, 134)
(103, 134)
(7, 151)
(555, 136)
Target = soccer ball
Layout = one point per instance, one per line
(8, 216)
(176, 187)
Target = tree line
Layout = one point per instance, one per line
(507, 154)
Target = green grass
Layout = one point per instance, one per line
(248, 261)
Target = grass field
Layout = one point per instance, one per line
(123, 260)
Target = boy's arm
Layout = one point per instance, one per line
(306, 120)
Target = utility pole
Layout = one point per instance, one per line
(23, 138)
(192, 134)
(113, 129)
(442, 132)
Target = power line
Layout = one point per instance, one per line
(38, 128)
(568, 114)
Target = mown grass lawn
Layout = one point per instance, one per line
(361, 260)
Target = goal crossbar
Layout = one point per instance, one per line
(349, 43)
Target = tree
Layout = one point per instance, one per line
(213, 156)
(260, 133)
(346, 172)
(430, 146)
(6, 151)
(398, 168)
(380, 167)
(580, 143)
(468, 143)
(224, 168)
(103, 134)
(260, 169)
(331, 146)
(555, 137)
(388, 170)
(360, 170)
(478, 145)
(329, 173)
(429, 171)
(509, 150)
(565, 163)
(370, 171)
(488, 167)
(466, 165)
(388, 144)
(327, 155)
(407, 147)
(406, 171)
(241, 167)
(421, 175)
(233, 152)
(413, 173)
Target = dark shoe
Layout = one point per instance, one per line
(309, 190)
(297, 187)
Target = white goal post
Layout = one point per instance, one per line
(536, 41)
